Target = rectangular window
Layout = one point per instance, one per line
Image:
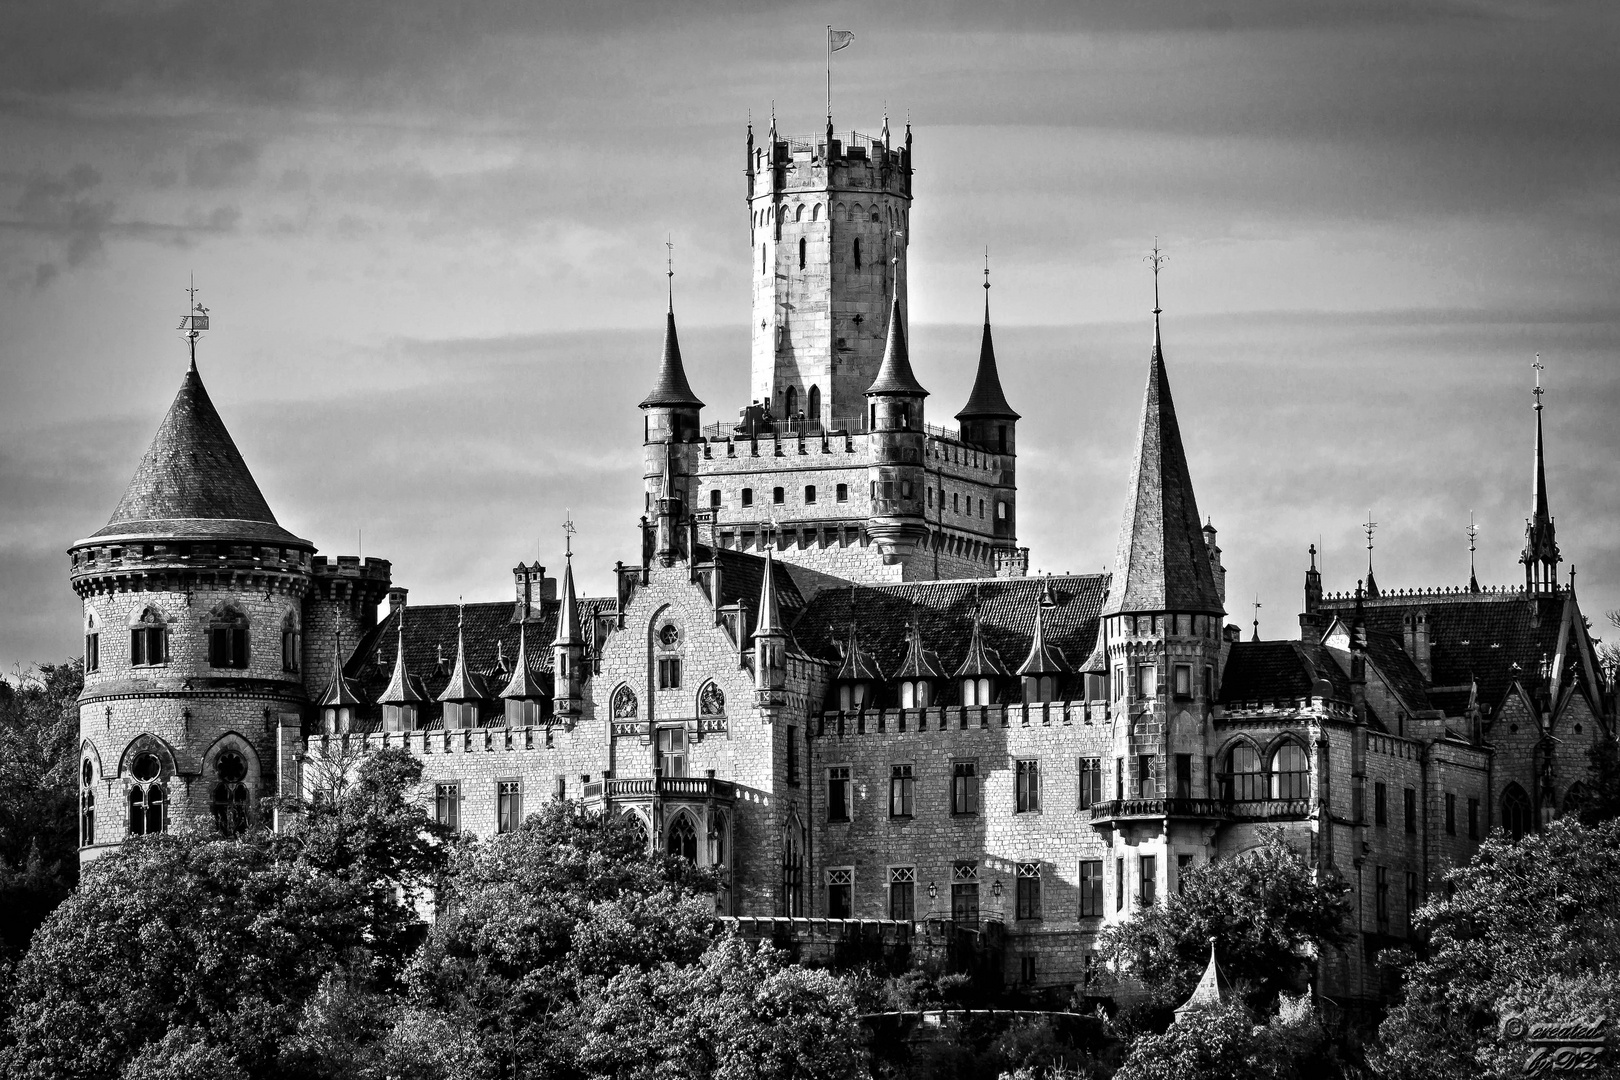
(92, 652)
(714, 499)
(1148, 889)
(1451, 814)
(1028, 781)
(1380, 804)
(1411, 900)
(1183, 688)
(1147, 680)
(148, 645)
(956, 506)
(1026, 969)
(672, 751)
(901, 791)
(905, 489)
(841, 892)
(748, 496)
(1383, 898)
(810, 495)
(1091, 888)
(669, 673)
(1183, 864)
(965, 891)
(508, 805)
(1090, 782)
(1119, 682)
(841, 493)
(930, 498)
(447, 805)
(838, 793)
(1119, 778)
(792, 754)
(1209, 684)
(1119, 884)
(1029, 891)
(560, 791)
(778, 496)
(1473, 819)
(1411, 810)
(965, 787)
(902, 893)
(1145, 788)
(1184, 776)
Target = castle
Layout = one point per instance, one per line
(828, 674)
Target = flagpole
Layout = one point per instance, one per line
(829, 77)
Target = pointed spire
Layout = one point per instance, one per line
(464, 684)
(1540, 556)
(340, 692)
(1161, 562)
(1473, 534)
(920, 662)
(671, 389)
(1212, 990)
(568, 629)
(401, 689)
(895, 376)
(1043, 659)
(981, 661)
(770, 612)
(1372, 583)
(858, 663)
(524, 683)
(987, 400)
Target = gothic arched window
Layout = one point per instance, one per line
(230, 801)
(682, 839)
(1244, 780)
(640, 828)
(1290, 772)
(792, 401)
(792, 896)
(228, 639)
(802, 246)
(815, 403)
(147, 796)
(87, 804)
(1515, 812)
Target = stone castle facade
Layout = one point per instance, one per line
(827, 674)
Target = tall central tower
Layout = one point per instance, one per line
(829, 219)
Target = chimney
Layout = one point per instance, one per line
(527, 580)
(1416, 627)
(1215, 567)
(396, 598)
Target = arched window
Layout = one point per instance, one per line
(857, 253)
(779, 496)
(792, 898)
(1038, 688)
(640, 828)
(798, 215)
(814, 408)
(815, 212)
(87, 803)
(1515, 812)
(792, 401)
(802, 246)
(875, 216)
(149, 640)
(228, 639)
(915, 694)
(682, 839)
(977, 692)
(1576, 798)
(856, 213)
(289, 643)
(1290, 772)
(1244, 780)
(230, 801)
(146, 795)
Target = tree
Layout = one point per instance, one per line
(1226, 1043)
(1531, 927)
(741, 1012)
(1268, 912)
(39, 795)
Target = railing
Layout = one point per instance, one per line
(810, 427)
(1258, 810)
(1270, 809)
(663, 787)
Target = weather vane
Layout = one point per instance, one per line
(987, 268)
(669, 265)
(1257, 617)
(568, 533)
(1156, 260)
(1368, 528)
(1538, 391)
(195, 320)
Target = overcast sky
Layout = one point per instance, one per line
(432, 239)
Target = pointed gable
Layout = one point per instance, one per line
(526, 683)
(981, 661)
(671, 389)
(1161, 562)
(895, 376)
(193, 481)
(920, 661)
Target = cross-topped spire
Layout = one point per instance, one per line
(1540, 556)
(1256, 619)
(1539, 368)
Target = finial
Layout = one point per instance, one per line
(987, 283)
(669, 266)
(1256, 617)
(1156, 260)
(1538, 391)
(195, 320)
(1368, 528)
(568, 533)
(1313, 556)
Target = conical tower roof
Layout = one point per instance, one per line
(671, 389)
(568, 631)
(525, 683)
(193, 481)
(895, 376)
(1161, 562)
(401, 689)
(770, 610)
(1043, 659)
(987, 402)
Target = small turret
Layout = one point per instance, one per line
(770, 648)
(402, 700)
(1310, 619)
(895, 419)
(987, 421)
(669, 444)
(464, 695)
(341, 703)
(568, 652)
(525, 692)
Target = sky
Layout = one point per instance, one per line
(432, 239)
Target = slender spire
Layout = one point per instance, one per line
(770, 611)
(400, 691)
(1540, 556)
(895, 376)
(464, 684)
(920, 662)
(1043, 659)
(523, 683)
(671, 389)
(568, 630)
(339, 693)
(1369, 528)
(1473, 533)
(981, 660)
(1161, 562)
(987, 400)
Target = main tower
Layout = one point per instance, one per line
(828, 217)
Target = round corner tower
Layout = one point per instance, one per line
(828, 219)
(193, 603)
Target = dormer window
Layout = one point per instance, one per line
(400, 717)
(916, 694)
(978, 691)
(523, 712)
(853, 697)
(1039, 688)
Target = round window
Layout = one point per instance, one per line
(146, 766)
(670, 635)
(232, 769)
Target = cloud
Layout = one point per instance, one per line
(222, 164)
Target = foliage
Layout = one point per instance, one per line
(1530, 927)
(1226, 1043)
(1268, 912)
(39, 796)
(1602, 801)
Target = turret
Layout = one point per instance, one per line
(525, 693)
(1310, 619)
(670, 437)
(402, 700)
(1540, 556)
(895, 475)
(568, 652)
(464, 695)
(987, 421)
(770, 648)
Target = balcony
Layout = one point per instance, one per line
(681, 788)
(1216, 809)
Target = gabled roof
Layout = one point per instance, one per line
(987, 402)
(981, 661)
(895, 376)
(944, 611)
(193, 481)
(743, 573)
(671, 388)
(1274, 671)
(1161, 562)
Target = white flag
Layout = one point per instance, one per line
(839, 39)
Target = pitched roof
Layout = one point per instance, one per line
(1161, 562)
(193, 481)
(920, 661)
(526, 682)
(987, 400)
(944, 610)
(1273, 671)
(1043, 658)
(981, 661)
(671, 388)
(768, 619)
(1212, 990)
(895, 376)
(742, 574)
